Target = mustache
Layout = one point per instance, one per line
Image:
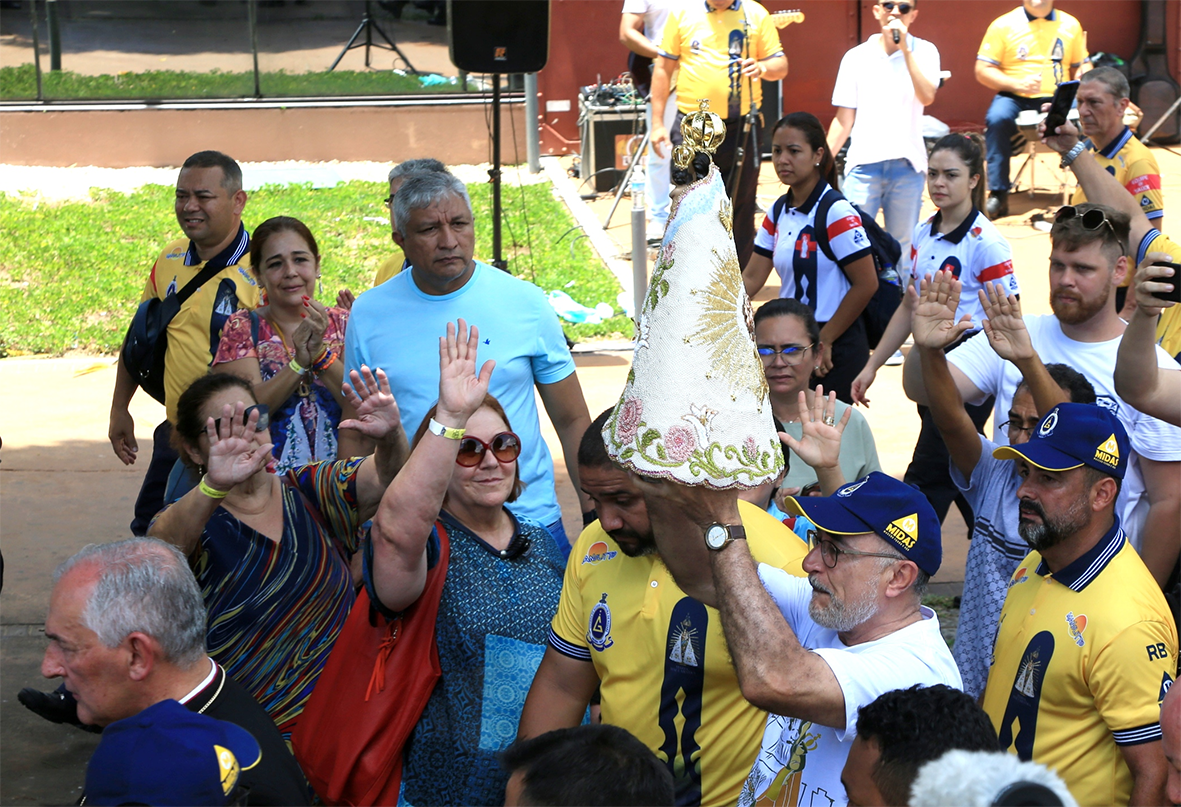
(816, 586)
(1033, 507)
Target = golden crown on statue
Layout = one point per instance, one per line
(701, 131)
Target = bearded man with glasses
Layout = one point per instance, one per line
(1087, 261)
(812, 652)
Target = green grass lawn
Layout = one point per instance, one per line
(20, 82)
(71, 274)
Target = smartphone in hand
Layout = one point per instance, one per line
(1060, 106)
(1173, 296)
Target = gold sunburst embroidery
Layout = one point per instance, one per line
(724, 329)
(726, 216)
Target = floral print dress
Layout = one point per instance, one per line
(304, 429)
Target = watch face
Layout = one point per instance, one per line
(715, 536)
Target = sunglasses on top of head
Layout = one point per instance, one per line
(505, 447)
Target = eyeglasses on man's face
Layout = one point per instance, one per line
(831, 552)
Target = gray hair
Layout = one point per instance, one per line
(1115, 82)
(143, 585)
(421, 190)
(421, 165)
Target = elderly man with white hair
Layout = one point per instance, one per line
(126, 630)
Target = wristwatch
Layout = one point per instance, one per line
(718, 536)
(1072, 155)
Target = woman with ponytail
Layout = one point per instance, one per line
(959, 238)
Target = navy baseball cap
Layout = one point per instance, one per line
(168, 755)
(880, 504)
(1073, 435)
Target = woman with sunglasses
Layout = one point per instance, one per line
(502, 580)
(289, 349)
(835, 279)
(271, 552)
(788, 340)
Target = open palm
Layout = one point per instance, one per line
(461, 390)
(934, 325)
(377, 413)
(234, 456)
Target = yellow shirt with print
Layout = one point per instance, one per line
(1052, 47)
(1081, 663)
(194, 332)
(702, 42)
(662, 659)
(1135, 168)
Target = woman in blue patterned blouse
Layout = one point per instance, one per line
(501, 588)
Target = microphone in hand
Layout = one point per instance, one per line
(896, 37)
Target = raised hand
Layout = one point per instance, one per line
(1003, 324)
(461, 391)
(378, 415)
(234, 455)
(934, 325)
(820, 443)
(345, 299)
(1063, 139)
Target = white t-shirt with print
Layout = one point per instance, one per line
(806, 759)
(805, 272)
(1150, 437)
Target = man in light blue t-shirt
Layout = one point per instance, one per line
(396, 326)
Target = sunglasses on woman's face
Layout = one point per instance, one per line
(264, 418)
(505, 446)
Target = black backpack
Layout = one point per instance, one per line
(887, 253)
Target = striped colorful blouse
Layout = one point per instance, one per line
(275, 609)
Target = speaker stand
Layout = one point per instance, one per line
(369, 26)
(494, 174)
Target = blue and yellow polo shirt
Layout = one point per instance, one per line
(1023, 46)
(194, 333)
(1082, 661)
(661, 657)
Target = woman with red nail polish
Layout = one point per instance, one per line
(289, 348)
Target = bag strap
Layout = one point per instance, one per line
(820, 221)
(254, 328)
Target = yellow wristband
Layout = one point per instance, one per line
(435, 427)
(295, 367)
(210, 491)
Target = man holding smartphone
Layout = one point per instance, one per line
(1025, 55)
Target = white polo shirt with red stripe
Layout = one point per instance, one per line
(975, 252)
(806, 273)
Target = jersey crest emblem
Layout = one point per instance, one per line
(599, 629)
(1166, 683)
(174, 254)
(975, 231)
(685, 645)
(1022, 52)
(1108, 452)
(905, 530)
(1145, 202)
(597, 553)
(171, 288)
(1077, 625)
(1018, 577)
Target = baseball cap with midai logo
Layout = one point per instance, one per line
(1073, 435)
(878, 503)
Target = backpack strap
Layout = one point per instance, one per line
(254, 328)
(820, 221)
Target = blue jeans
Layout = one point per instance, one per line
(1001, 121)
(657, 172)
(894, 187)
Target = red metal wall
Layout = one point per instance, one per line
(584, 43)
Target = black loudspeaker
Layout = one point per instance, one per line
(498, 36)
